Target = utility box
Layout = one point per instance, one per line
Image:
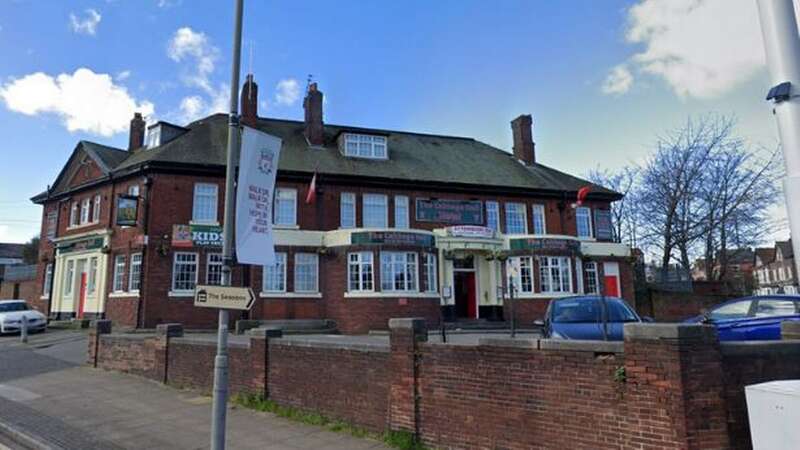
(774, 412)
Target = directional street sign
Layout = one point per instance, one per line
(224, 297)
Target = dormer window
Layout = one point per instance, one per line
(364, 146)
(153, 136)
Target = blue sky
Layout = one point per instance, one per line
(602, 79)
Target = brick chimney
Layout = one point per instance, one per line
(249, 102)
(136, 137)
(524, 148)
(314, 131)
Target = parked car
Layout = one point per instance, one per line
(755, 318)
(581, 317)
(12, 312)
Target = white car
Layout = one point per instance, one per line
(13, 312)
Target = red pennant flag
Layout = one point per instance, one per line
(312, 190)
(582, 193)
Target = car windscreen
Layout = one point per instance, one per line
(587, 310)
(13, 307)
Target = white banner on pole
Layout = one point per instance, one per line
(258, 165)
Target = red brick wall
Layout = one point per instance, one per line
(28, 291)
(353, 386)
(664, 306)
(122, 311)
(134, 355)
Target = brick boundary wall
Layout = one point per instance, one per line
(667, 386)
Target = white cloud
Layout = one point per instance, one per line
(124, 75)
(619, 81)
(195, 107)
(195, 47)
(169, 3)
(701, 48)
(287, 92)
(84, 100)
(86, 24)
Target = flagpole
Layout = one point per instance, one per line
(220, 399)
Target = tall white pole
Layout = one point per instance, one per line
(220, 399)
(782, 45)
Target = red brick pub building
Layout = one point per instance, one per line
(401, 225)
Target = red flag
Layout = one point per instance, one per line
(312, 190)
(582, 193)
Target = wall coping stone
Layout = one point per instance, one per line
(101, 326)
(265, 332)
(761, 348)
(127, 336)
(411, 323)
(363, 346)
(658, 331)
(582, 345)
(532, 344)
(205, 343)
(169, 329)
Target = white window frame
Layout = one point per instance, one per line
(135, 275)
(133, 190)
(69, 278)
(586, 213)
(280, 262)
(547, 272)
(347, 216)
(86, 204)
(47, 286)
(365, 146)
(590, 269)
(283, 197)
(525, 264)
(312, 262)
(369, 201)
(198, 209)
(118, 281)
(538, 218)
(493, 215)
(91, 284)
(517, 206)
(175, 263)
(96, 208)
(409, 267)
(214, 260)
(357, 262)
(431, 271)
(73, 215)
(401, 212)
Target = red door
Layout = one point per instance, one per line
(472, 307)
(611, 284)
(82, 295)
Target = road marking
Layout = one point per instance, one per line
(16, 394)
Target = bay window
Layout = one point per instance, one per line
(430, 271)
(360, 275)
(399, 271)
(554, 274)
(523, 279)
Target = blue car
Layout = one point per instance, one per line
(751, 318)
(581, 317)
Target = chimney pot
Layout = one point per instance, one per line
(136, 136)
(249, 102)
(524, 147)
(314, 132)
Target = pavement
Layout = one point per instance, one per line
(49, 399)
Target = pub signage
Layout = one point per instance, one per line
(127, 210)
(392, 238)
(562, 245)
(457, 212)
(196, 236)
(470, 231)
(80, 245)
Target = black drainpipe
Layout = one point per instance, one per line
(148, 181)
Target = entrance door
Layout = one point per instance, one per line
(81, 288)
(611, 279)
(465, 297)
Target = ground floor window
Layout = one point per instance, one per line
(592, 287)
(119, 273)
(184, 271)
(522, 278)
(134, 277)
(48, 279)
(359, 272)
(214, 269)
(430, 271)
(305, 272)
(398, 271)
(554, 274)
(69, 278)
(92, 285)
(275, 275)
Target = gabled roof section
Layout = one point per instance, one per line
(413, 157)
(785, 248)
(765, 255)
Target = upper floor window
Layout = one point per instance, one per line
(96, 209)
(365, 146)
(85, 206)
(73, 214)
(583, 217)
(375, 211)
(204, 209)
(52, 223)
(493, 215)
(401, 211)
(538, 220)
(285, 207)
(133, 190)
(516, 220)
(347, 210)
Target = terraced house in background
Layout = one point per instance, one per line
(399, 224)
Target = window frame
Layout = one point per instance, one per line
(69, 279)
(588, 217)
(406, 264)
(96, 208)
(47, 285)
(209, 264)
(196, 257)
(360, 264)
(406, 215)
(118, 278)
(196, 210)
(91, 282)
(524, 209)
(352, 216)
(315, 272)
(277, 201)
(525, 265)
(590, 269)
(373, 142)
(137, 279)
(430, 272)
(539, 208)
(73, 215)
(494, 211)
(281, 260)
(86, 206)
(545, 267)
(365, 210)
